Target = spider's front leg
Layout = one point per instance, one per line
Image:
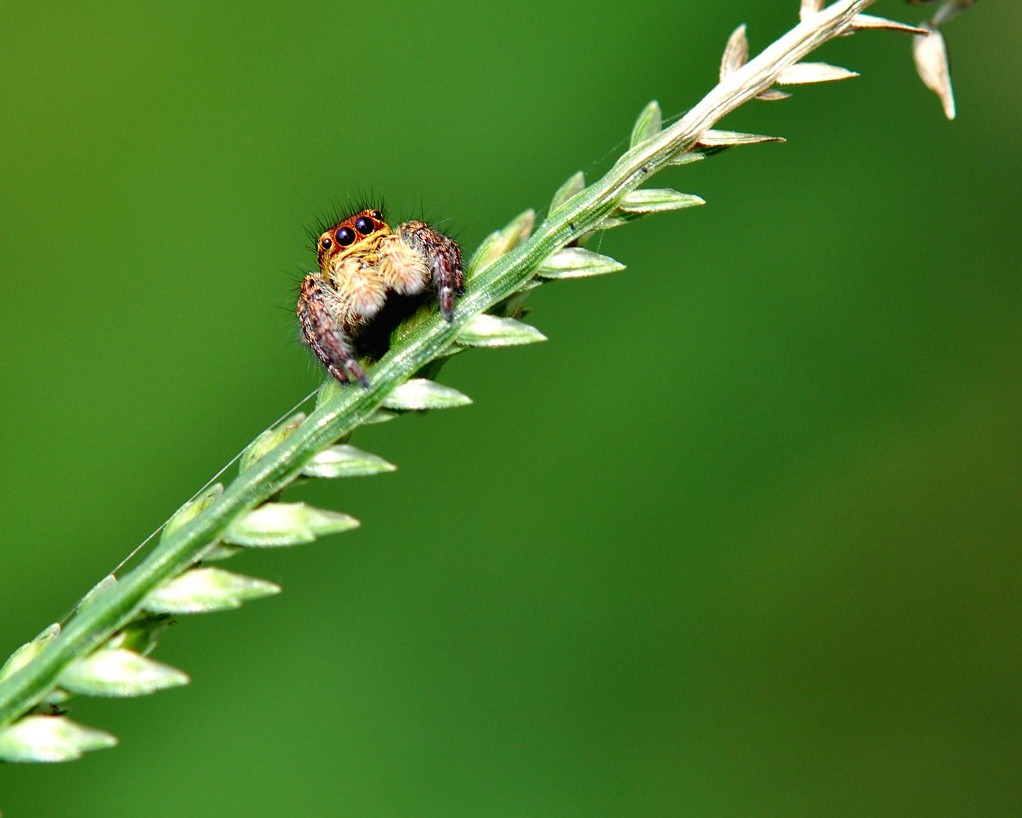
(323, 331)
(443, 256)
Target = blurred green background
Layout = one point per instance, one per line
(741, 539)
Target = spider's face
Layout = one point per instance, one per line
(358, 233)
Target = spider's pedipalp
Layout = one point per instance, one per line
(361, 290)
(403, 269)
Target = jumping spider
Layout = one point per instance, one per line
(370, 278)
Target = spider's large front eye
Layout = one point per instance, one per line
(345, 236)
(326, 244)
(365, 226)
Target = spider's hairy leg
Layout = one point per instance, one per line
(443, 255)
(319, 314)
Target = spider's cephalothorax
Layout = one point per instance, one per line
(370, 277)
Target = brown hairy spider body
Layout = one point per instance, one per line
(370, 278)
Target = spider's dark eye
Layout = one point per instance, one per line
(364, 225)
(345, 236)
(326, 244)
(376, 214)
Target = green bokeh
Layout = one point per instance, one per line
(741, 539)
